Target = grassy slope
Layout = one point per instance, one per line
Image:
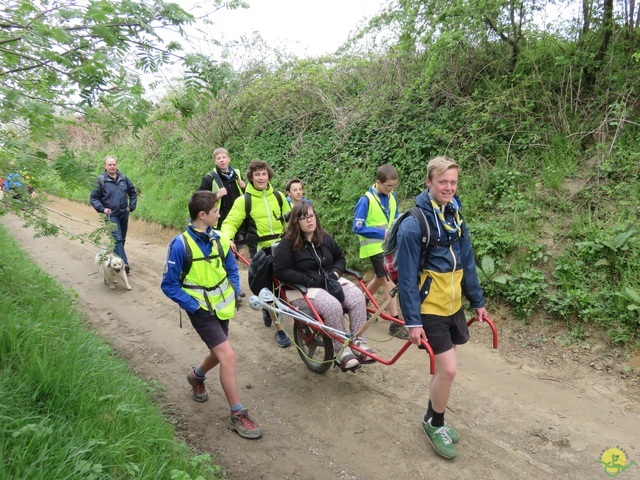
(70, 408)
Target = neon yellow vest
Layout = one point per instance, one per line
(207, 280)
(376, 218)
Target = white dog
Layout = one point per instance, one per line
(111, 267)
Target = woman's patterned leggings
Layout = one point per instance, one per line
(332, 311)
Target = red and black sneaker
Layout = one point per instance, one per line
(242, 423)
(197, 384)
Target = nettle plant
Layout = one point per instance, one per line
(612, 250)
(493, 283)
(602, 273)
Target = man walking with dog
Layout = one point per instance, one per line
(200, 275)
(116, 197)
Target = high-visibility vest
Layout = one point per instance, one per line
(207, 281)
(376, 218)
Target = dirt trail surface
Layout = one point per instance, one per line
(520, 415)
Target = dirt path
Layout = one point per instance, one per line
(519, 417)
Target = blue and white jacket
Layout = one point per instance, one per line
(449, 271)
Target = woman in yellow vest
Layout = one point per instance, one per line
(375, 212)
(201, 276)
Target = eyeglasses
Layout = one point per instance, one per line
(306, 218)
(390, 187)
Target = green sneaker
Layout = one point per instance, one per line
(452, 432)
(440, 440)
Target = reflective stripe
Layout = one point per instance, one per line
(222, 287)
(219, 290)
(366, 241)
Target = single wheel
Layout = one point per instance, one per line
(315, 349)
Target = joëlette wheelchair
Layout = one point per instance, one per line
(314, 339)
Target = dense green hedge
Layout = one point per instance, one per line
(549, 165)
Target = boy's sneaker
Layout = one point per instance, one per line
(266, 318)
(282, 339)
(398, 331)
(242, 423)
(440, 439)
(242, 294)
(199, 392)
(127, 270)
(452, 432)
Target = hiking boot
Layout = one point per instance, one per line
(242, 423)
(346, 360)
(440, 439)
(197, 384)
(282, 339)
(266, 318)
(452, 432)
(398, 331)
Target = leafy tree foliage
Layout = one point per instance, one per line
(59, 57)
(67, 60)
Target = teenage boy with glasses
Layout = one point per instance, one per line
(375, 212)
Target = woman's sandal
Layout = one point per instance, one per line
(365, 359)
(347, 362)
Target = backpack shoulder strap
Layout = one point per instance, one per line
(218, 243)
(425, 232)
(247, 204)
(188, 257)
(279, 198)
(216, 178)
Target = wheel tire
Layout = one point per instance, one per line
(315, 349)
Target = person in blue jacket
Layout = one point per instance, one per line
(295, 194)
(204, 284)
(116, 197)
(374, 214)
(15, 182)
(431, 291)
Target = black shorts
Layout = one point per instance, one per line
(445, 332)
(212, 331)
(378, 265)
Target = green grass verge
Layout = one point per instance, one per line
(69, 408)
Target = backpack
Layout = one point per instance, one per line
(247, 232)
(188, 256)
(101, 179)
(261, 271)
(390, 244)
(216, 178)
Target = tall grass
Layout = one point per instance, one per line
(69, 408)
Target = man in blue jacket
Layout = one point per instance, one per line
(431, 288)
(115, 196)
